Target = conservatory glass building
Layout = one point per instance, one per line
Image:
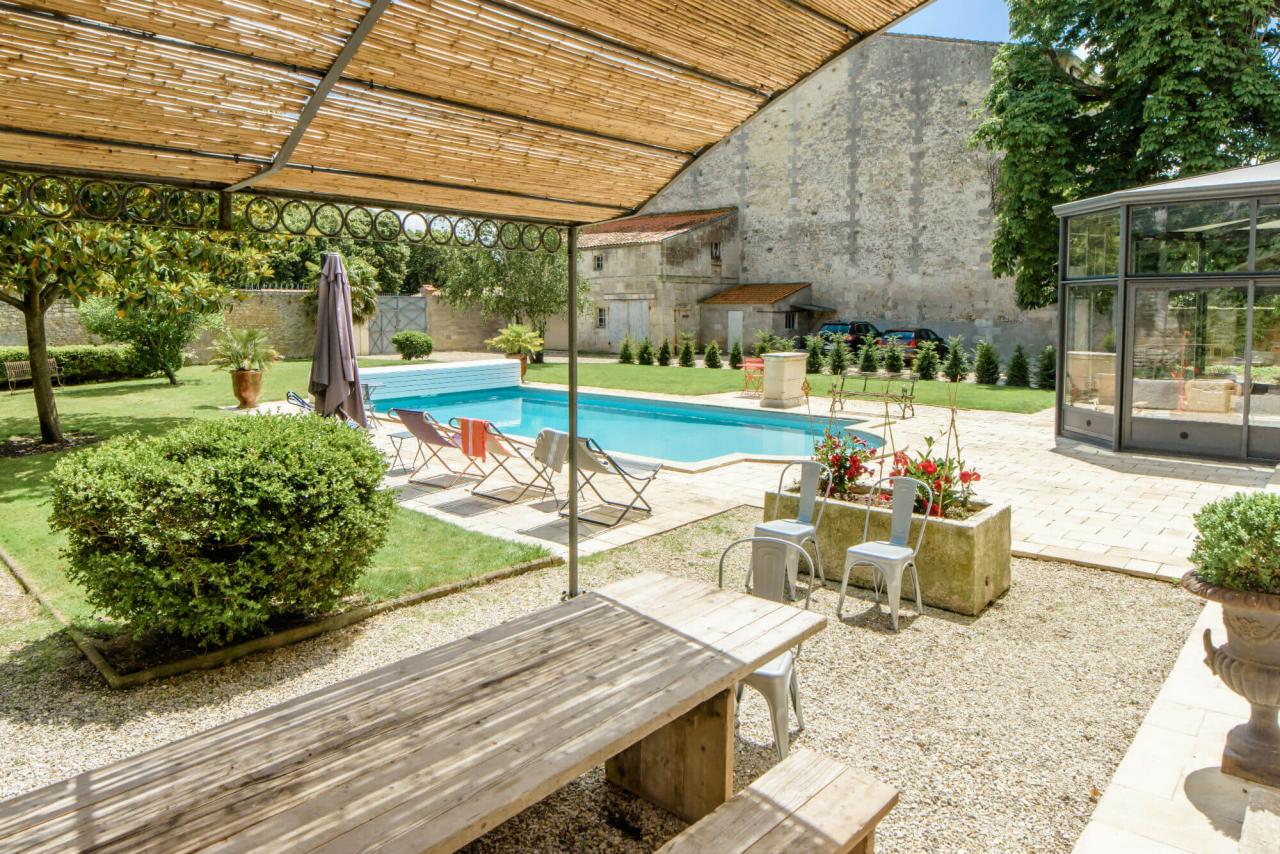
(1169, 321)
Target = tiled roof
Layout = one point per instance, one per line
(648, 228)
(755, 294)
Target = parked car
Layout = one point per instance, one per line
(854, 333)
(909, 339)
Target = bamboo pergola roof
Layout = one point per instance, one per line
(568, 111)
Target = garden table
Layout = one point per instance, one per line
(433, 751)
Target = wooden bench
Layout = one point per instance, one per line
(753, 375)
(20, 371)
(435, 750)
(807, 803)
(849, 388)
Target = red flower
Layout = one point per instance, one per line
(929, 467)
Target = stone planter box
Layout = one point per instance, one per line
(964, 565)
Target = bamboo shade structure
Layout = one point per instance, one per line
(562, 110)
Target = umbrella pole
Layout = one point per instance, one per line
(573, 411)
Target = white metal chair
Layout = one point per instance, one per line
(804, 527)
(889, 559)
(776, 680)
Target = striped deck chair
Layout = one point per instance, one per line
(482, 439)
(433, 437)
(636, 474)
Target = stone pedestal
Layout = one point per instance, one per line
(783, 380)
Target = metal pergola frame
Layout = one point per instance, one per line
(483, 205)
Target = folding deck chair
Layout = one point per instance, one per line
(636, 474)
(480, 439)
(433, 437)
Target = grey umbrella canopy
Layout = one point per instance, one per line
(335, 378)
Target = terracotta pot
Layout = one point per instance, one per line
(246, 385)
(524, 362)
(1249, 664)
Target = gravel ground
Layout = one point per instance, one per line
(998, 731)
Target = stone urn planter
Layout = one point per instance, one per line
(246, 386)
(1249, 664)
(964, 564)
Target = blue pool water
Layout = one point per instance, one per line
(681, 432)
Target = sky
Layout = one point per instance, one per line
(987, 20)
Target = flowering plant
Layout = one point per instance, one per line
(951, 482)
(848, 458)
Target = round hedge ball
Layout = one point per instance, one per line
(211, 530)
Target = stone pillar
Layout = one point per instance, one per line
(783, 380)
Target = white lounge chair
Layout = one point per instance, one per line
(594, 460)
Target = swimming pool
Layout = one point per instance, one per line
(680, 432)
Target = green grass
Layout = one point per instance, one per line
(695, 381)
(420, 552)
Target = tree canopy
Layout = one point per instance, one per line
(1099, 95)
(156, 272)
(528, 287)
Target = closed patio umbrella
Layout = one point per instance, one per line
(335, 378)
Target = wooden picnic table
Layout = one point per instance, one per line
(435, 750)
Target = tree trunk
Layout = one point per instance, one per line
(41, 379)
(168, 372)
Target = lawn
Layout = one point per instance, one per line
(420, 553)
(695, 381)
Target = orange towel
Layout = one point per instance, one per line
(474, 432)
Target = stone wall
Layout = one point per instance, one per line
(451, 329)
(282, 314)
(861, 181)
(61, 323)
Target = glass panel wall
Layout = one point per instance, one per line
(1189, 355)
(1264, 401)
(1199, 237)
(1093, 245)
(1268, 258)
(1090, 352)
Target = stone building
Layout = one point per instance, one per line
(648, 275)
(860, 181)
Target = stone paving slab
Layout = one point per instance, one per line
(1071, 501)
(1169, 793)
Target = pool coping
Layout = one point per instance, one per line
(710, 463)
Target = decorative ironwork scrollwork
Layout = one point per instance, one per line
(69, 198)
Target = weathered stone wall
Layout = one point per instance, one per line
(861, 181)
(61, 323)
(282, 314)
(451, 329)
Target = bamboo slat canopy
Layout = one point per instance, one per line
(570, 111)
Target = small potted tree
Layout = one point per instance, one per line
(246, 354)
(1237, 564)
(517, 341)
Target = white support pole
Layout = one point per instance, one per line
(573, 412)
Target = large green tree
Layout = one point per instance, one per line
(513, 286)
(145, 270)
(1098, 95)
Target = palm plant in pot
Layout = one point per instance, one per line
(246, 354)
(1237, 564)
(517, 341)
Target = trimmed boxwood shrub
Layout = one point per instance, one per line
(211, 530)
(411, 344)
(1238, 546)
(87, 363)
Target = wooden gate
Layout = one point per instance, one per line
(396, 314)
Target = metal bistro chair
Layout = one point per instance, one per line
(776, 680)
(890, 558)
(804, 527)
